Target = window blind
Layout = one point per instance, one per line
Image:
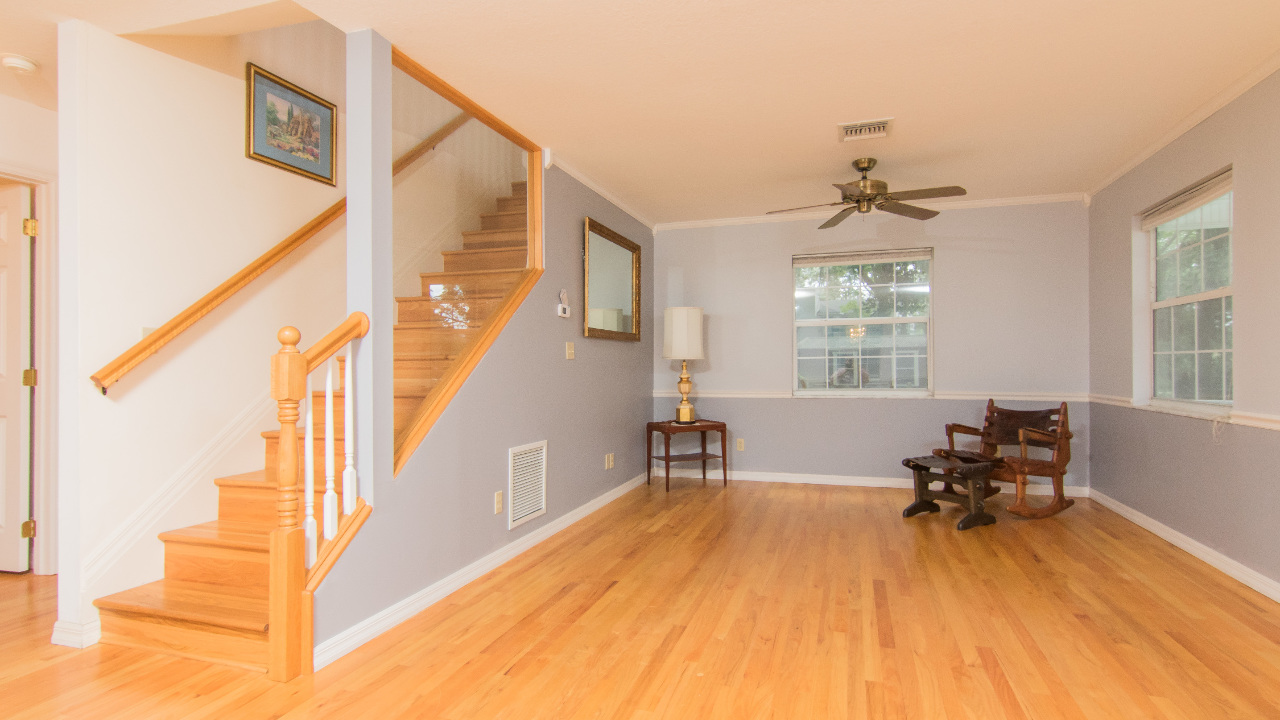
(1185, 201)
(861, 257)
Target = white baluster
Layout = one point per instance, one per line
(309, 481)
(330, 495)
(349, 490)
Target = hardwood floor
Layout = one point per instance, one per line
(759, 601)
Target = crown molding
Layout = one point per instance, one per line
(824, 214)
(1197, 116)
(600, 190)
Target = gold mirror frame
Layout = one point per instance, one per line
(591, 226)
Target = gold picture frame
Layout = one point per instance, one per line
(288, 127)
(610, 269)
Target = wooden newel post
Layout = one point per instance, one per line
(287, 560)
(288, 385)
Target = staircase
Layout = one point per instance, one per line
(433, 328)
(213, 601)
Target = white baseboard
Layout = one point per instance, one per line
(848, 480)
(1234, 569)
(370, 628)
(76, 635)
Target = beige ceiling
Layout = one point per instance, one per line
(712, 109)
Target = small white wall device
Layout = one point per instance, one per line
(563, 308)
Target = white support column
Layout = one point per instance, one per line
(369, 250)
(77, 624)
(349, 490)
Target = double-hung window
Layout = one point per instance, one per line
(1190, 240)
(862, 321)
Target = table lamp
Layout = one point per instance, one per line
(682, 340)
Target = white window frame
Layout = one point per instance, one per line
(1145, 304)
(865, 258)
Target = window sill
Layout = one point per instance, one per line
(862, 393)
(1203, 411)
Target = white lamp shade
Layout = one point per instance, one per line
(682, 333)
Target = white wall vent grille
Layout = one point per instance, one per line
(528, 483)
(864, 130)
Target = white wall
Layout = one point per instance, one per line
(160, 205)
(28, 140)
(1010, 297)
(443, 193)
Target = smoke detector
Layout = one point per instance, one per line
(864, 130)
(18, 64)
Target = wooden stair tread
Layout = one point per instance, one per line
(409, 357)
(433, 325)
(470, 295)
(510, 214)
(481, 252)
(254, 479)
(469, 273)
(217, 605)
(221, 533)
(511, 232)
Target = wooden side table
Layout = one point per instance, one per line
(671, 427)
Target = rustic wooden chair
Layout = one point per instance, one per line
(1025, 428)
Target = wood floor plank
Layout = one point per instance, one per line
(756, 601)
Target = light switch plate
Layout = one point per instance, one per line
(497, 502)
(568, 351)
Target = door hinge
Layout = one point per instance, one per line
(29, 377)
(30, 227)
(29, 529)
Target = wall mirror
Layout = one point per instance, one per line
(611, 269)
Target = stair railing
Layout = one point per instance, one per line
(111, 373)
(294, 549)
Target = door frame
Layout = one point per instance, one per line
(44, 556)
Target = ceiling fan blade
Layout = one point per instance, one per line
(839, 217)
(806, 207)
(905, 210)
(850, 190)
(938, 192)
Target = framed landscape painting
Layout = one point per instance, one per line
(289, 127)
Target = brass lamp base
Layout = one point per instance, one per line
(684, 411)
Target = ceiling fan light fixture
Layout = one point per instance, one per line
(18, 63)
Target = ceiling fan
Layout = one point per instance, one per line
(866, 193)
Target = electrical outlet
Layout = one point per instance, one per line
(742, 444)
(608, 461)
(568, 351)
(497, 502)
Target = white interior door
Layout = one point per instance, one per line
(15, 485)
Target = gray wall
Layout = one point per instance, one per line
(1243, 135)
(1168, 467)
(1173, 469)
(1010, 296)
(437, 515)
(1010, 320)
(863, 437)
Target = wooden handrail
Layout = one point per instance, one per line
(434, 82)
(429, 143)
(161, 336)
(151, 344)
(355, 326)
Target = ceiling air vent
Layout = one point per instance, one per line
(864, 130)
(528, 482)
